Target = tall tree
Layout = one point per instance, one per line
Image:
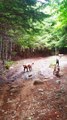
(19, 15)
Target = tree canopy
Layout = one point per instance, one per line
(19, 15)
(34, 23)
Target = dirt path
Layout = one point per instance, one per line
(41, 68)
(22, 100)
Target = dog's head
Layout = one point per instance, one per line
(24, 65)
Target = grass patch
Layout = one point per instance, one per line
(8, 64)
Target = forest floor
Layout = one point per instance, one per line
(34, 95)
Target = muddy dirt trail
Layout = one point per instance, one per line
(40, 69)
(21, 99)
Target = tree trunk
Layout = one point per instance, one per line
(6, 50)
(0, 47)
(2, 51)
(10, 49)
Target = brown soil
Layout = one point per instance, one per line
(21, 99)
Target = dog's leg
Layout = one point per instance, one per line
(30, 68)
(24, 67)
(27, 68)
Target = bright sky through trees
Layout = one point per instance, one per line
(43, 1)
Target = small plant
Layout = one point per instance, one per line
(8, 64)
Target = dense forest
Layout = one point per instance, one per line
(32, 27)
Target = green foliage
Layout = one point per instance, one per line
(33, 24)
(19, 14)
(61, 29)
(63, 13)
(21, 20)
(56, 26)
(8, 64)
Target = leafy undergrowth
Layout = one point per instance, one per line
(8, 64)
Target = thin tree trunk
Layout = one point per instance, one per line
(2, 51)
(10, 49)
(0, 47)
(6, 50)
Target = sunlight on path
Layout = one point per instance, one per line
(41, 68)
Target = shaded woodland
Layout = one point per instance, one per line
(30, 28)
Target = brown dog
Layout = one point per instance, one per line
(28, 67)
(56, 69)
